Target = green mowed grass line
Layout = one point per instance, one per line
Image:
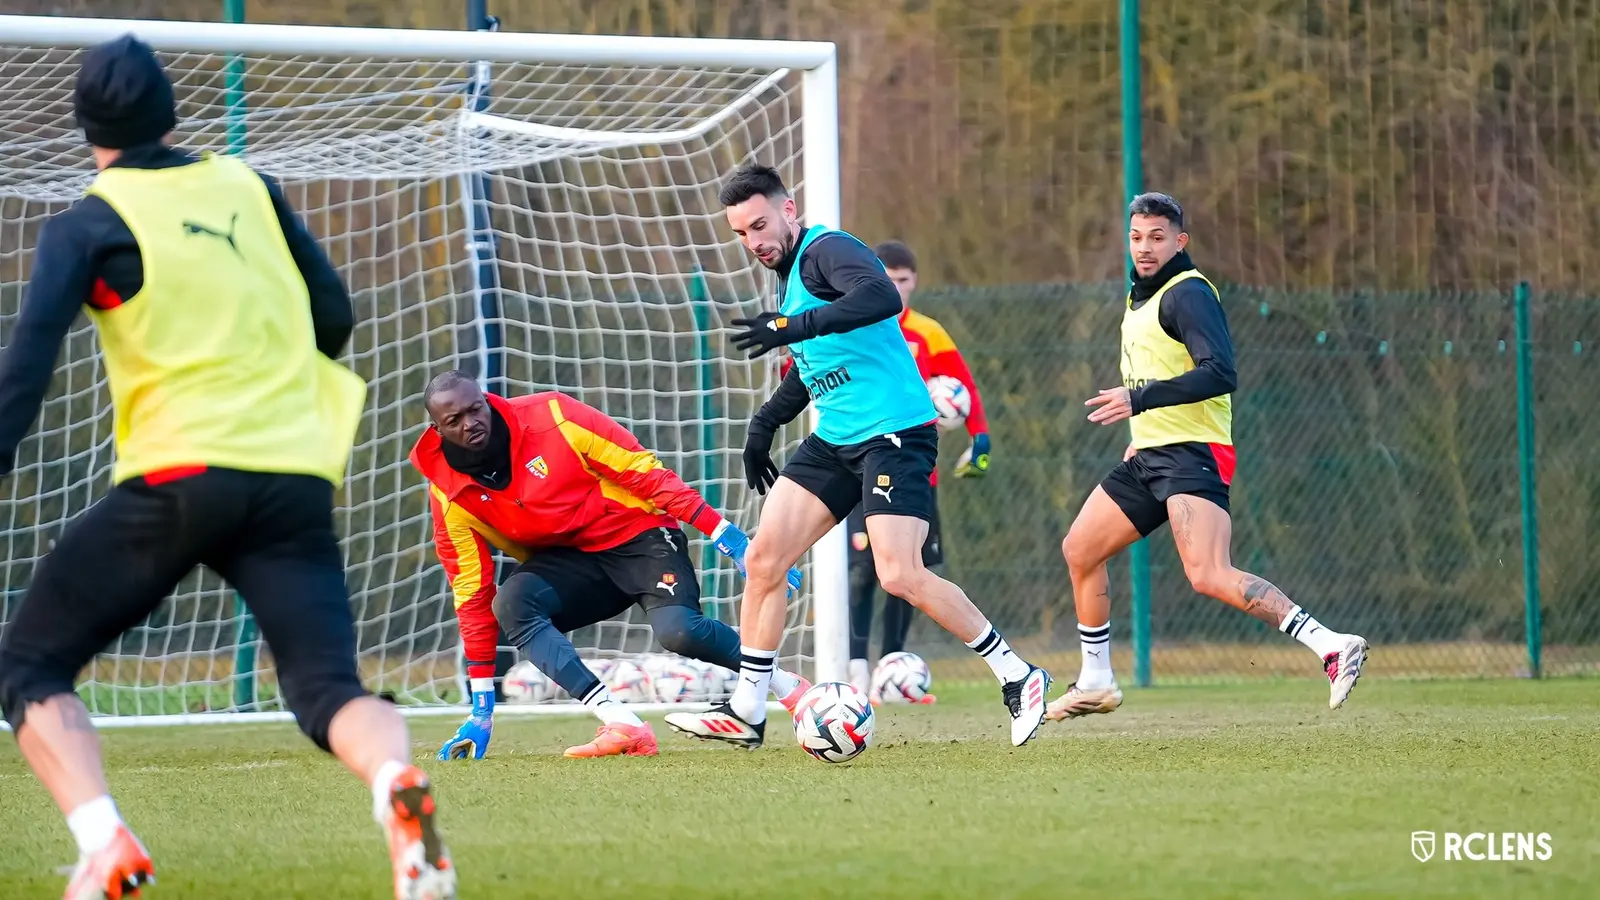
(1200, 792)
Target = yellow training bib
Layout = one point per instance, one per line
(1150, 354)
(214, 361)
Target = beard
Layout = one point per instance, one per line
(784, 249)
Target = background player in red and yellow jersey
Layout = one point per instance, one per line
(592, 518)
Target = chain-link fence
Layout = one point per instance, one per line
(1378, 478)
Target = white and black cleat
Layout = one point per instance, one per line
(1344, 668)
(1025, 700)
(720, 723)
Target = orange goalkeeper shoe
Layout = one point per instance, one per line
(115, 871)
(793, 698)
(617, 740)
(422, 867)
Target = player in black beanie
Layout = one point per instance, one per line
(123, 98)
(220, 321)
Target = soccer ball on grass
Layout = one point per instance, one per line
(630, 683)
(678, 680)
(524, 683)
(900, 678)
(833, 722)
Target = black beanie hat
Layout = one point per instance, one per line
(123, 97)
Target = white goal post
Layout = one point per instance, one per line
(538, 209)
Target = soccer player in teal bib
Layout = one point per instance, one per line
(875, 444)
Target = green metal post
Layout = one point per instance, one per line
(1530, 494)
(1132, 185)
(244, 657)
(707, 476)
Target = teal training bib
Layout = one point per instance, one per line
(864, 383)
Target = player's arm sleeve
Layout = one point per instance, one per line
(945, 359)
(61, 283)
(847, 274)
(332, 317)
(788, 401)
(613, 452)
(468, 562)
(1191, 313)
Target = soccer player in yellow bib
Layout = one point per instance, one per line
(219, 319)
(1177, 378)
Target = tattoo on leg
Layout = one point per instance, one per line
(1182, 517)
(1263, 600)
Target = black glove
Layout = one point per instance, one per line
(760, 473)
(769, 331)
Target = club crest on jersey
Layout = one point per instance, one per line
(538, 467)
(669, 583)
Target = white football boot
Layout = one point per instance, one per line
(1025, 700)
(1344, 668)
(720, 723)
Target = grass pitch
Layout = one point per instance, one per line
(1200, 792)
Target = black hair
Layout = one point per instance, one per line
(751, 180)
(445, 381)
(1159, 205)
(896, 255)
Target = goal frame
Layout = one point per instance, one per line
(816, 60)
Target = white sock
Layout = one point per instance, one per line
(382, 783)
(608, 710)
(94, 823)
(1299, 625)
(1096, 671)
(860, 674)
(749, 699)
(1007, 665)
(783, 683)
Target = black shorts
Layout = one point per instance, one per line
(887, 475)
(591, 586)
(861, 548)
(270, 536)
(1140, 486)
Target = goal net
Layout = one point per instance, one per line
(537, 210)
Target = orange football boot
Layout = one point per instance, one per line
(617, 740)
(116, 871)
(422, 867)
(793, 699)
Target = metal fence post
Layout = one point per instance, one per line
(1530, 494)
(1132, 184)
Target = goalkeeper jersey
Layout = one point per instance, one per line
(578, 480)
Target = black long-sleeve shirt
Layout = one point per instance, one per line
(1192, 314)
(88, 255)
(849, 278)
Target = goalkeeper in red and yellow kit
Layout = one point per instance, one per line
(592, 518)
